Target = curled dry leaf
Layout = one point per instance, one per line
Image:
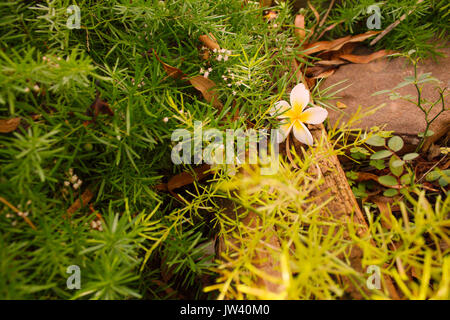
(185, 178)
(202, 84)
(366, 59)
(341, 105)
(209, 41)
(299, 24)
(316, 71)
(97, 107)
(78, 204)
(316, 14)
(9, 125)
(206, 87)
(334, 55)
(337, 62)
(171, 71)
(337, 44)
(325, 74)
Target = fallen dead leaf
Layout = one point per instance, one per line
(209, 41)
(184, 178)
(341, 105)
(299, 24)
(206, 87)
(78, 204)
(337, 44)
(365, 176)
(9, 125)
(324, 74)
(97, 107)
(171, 71)
(331, 62)
(382, 204)
(366, 59)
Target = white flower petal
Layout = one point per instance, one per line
(302, 133)
(283, 131)
(299, 97)
(279, 109)
(314, 115)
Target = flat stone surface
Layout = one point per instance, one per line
(403, 117)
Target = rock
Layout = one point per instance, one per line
(403, 117)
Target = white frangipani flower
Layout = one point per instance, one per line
(294, 115)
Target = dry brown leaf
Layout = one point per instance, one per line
(184, 178)
(78, 204)
(366, 59)
(382, 204)
(337, 44)
(341, 105)
(365, 176)
(315, 71)
(346, 49)
(265, 3)
(206, 87)
(97, 107)
(202, 84)
(171, 71)
(337, 62)
(326, 45)
(325, 74)
(209, 41)
(299, 24)
(316, 14)
(9, 125)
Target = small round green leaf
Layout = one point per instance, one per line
(396, 143)
(429, 134)
(388, 181)
(443, 181)
(410, 156)
(398, 163)
(433, 175)
(381, 154)
(390, 192)
(405, 179)
(376, 141)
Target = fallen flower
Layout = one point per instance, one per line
(295, 116)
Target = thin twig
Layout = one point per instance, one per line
(434, 166)
(326, 14)
(18, 211)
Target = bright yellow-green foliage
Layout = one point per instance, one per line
(306, 263)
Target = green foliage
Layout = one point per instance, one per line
(131, 241)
